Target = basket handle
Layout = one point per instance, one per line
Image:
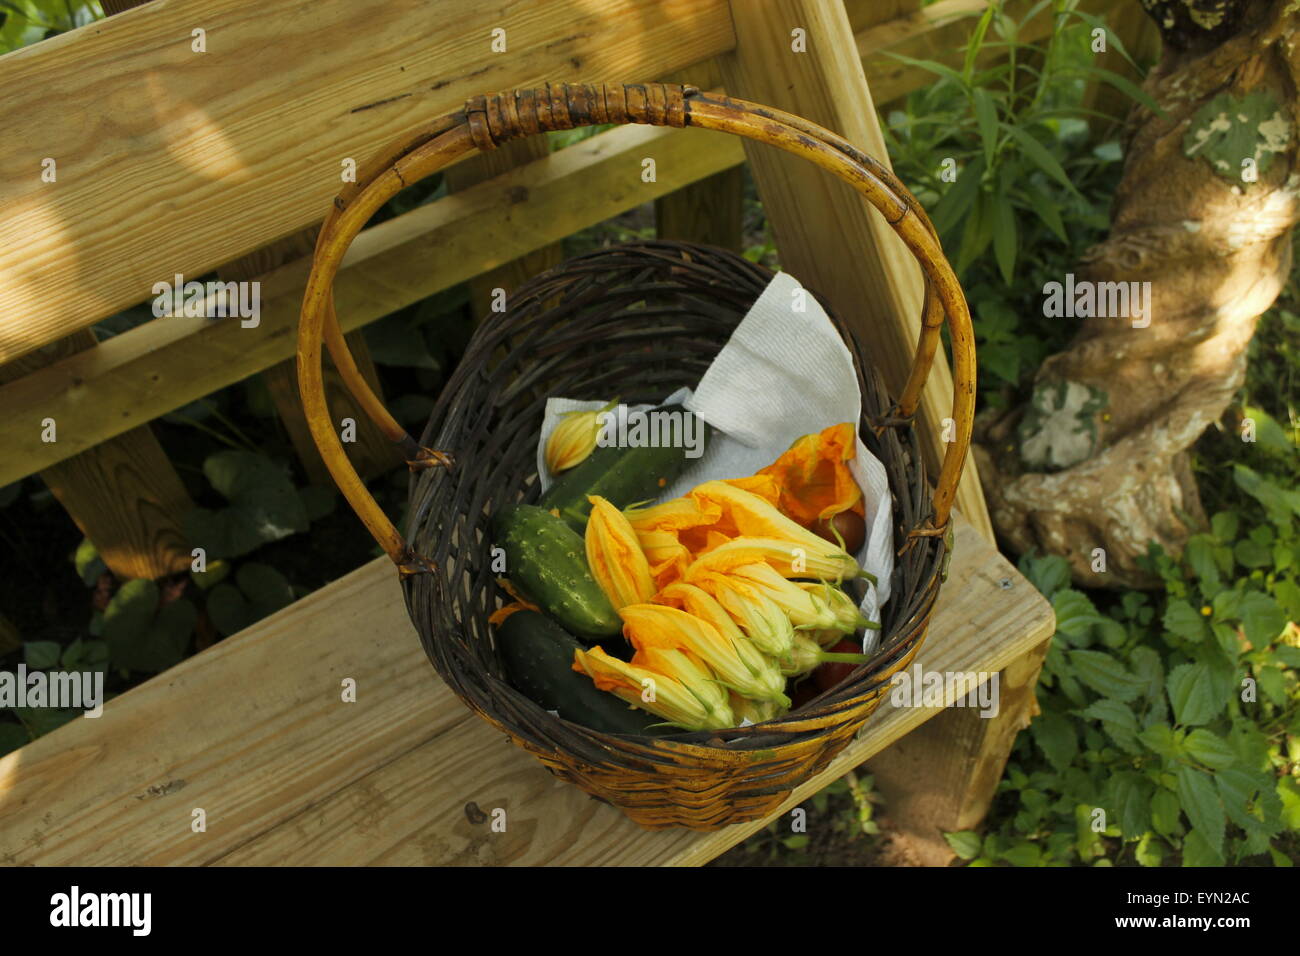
(487, 121)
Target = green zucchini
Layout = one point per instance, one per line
(538, 658)
(623, 475)
(546, 560)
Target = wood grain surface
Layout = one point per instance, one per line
(156, 367)
(254, 732)
(165, 166)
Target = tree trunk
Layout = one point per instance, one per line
(1098, 459)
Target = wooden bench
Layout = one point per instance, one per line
(255, 732)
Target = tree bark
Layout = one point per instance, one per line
(1098, 458)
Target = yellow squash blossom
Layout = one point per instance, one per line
(668, 557)
(574, 438)
(765, 624)
(676, 514)
(808, 654)
(737, 664)
(614, 554)
(647, 689)
(789, 559)
(847, 616)
(751, 515)
(806, 609)
(755, 711)
(692, 673)
(813, 476)
(765, 486)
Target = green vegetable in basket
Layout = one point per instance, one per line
(628, 473)
(537, 655)
(546, 562)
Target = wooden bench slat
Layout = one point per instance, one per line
(166, 165)
(254, 731)
(159, 366)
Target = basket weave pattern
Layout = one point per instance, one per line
(637, 321)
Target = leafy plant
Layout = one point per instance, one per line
(23, 22)
(1002, 153)
(1170, 726)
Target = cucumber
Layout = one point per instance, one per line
(624, 475)
(546, 560)
(538, 658)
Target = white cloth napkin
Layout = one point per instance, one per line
(784, 373)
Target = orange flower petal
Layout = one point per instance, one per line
(614, 554)
(814, 478)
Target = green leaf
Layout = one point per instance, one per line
(1268, 433)
(1125, 86)
(88, 563)
(1288, 792)
(1075, 615)
(1273, 683)
(1048, 574)
(1238, 790)
(1132, 803)
(264, 506)
(216, 573)
(986, 117)
(1112, 711)
(1160, 738)
(130, 611)
(228, 610)
(1184, 620)
(1039, 155)
(1210, 749)
(932, 66)
(1251, 554)
(86, 654)
(1105, 674)
(161, 645)
(39, 721)
(1149, 852)
(1224, 526)
(1261, 618)
(318, 501)
(265, 587)
(1200, 555)
(1024, 854)
(1004, 230)
(1149, 670)
(958, 198)
(1200, 850)
(1204, 808)
(977, 233)
(1047, 209)
(975, 43)
(394, 341)
(965, 844)
(1280, 503)
(1165, 813)
(1290, 656)
(38, 655)
(1056, 737)
(1191, 695)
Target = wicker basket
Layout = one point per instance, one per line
(638, 320)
